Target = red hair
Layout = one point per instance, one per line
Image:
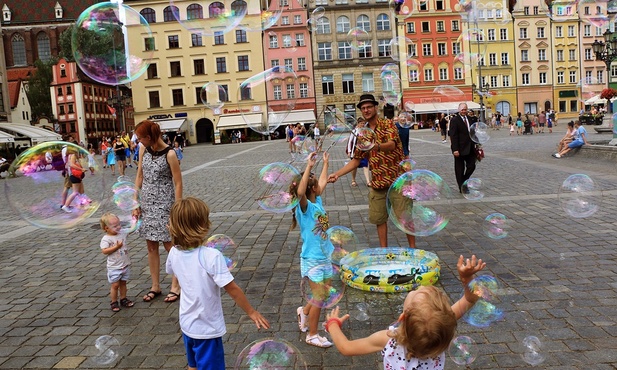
(149, 128)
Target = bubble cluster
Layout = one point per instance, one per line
(221, 17)
(579, 196)
(223, 244)
(496, 226)
(417, 203)
(533, 351)
(344, 241)
(463, 350)
(323, 287)
(36, 193)
(106, 350)
(270, 353)
(101, 45)
(486, 310)
(275, 180)
(478, 132)
(276, 113)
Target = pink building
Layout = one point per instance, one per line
(288, 43)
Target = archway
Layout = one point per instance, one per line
(547, 105)
(503, 107)
(204, 131)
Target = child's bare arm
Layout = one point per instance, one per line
(466, 270)
(323, 178)
(363, 346)
(239, 297)
(113, 248)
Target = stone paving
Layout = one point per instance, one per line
(558, 273)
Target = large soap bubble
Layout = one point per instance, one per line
(36, 194)
(270, 353)
(267, 18)
(463, 350)
(277, 109)
(226, 246)
(533, 351)
(213, 95)
(496, 226)
(323, 287)
(222, 16)
(344, 241)
(487, 309)
(101, 44)
(106, 350)
(579, 196)
(275, 180)
(478, 132)
(418, 203)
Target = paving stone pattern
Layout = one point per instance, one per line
(558, 273)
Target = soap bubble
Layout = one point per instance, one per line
(362, 314)
(221, 17)
(579, 197)
(270, 353)
(338, 122)
(560, 11)
(478, 132)
(417, 203)
(323, 287)
(275, 179)
(35, 194)
(533, 347)
(126, 196)
(496, 226)
(399, 8)
(358, 38)
(213, 95)
(401, 48)
(318, 13)
(223, 244)
(473, 188)
(344, 241)
(277, 110)
(392, 88)
(407, 164)
(267, 18)
(594, 12)
(405, 119)
(587, 88)
(101, 45)
(486, 310)
(463, 350)
(107, 350)
(128, 222)
(409, 106)
(365, 138)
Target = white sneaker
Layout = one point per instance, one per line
(318, 341)
(66, 209)
(444, 141)
(557, 155)
(302, 320)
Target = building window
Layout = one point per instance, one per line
(493, 82)
(285, 20)
(344, 50)
(492, 59)
(491, 34)
(383, 48)
(572, 77)
(535, 10)
(525, 55)
(274, 41)
(363, 22)
(327, 85)
(152, 71)
(71, 108)
(177, 97)
(61, 109)
(503, 34)
(411, 27)
(383, 22)
(300, 39)
(149, 15)
(443, 73)
(224, 93)
(348, 83)
(571, 32)
(523, 33)
(194, 11)
(441, 48)
(216, 9)
(173, 41)
(304, 90)
(588, 77)
(287, 41)
(456, 26)
(427, 50)
(291, 91)
(19, 50)
(600, 76)
(542, 78)
(368, 83)
(505, 59)
(342, 24)
(559, 31)
(245, 93)
(274, 63)
(572, 54)
(199, 67)
(168, 14)
(428, 74)
(560, 55)
(458, 73)
(302, 64)
(221, 65)
(219, 38)
(560, 77)
(456, 48)
(288, 62)
(278, 92)
(243, 62)
(426, 27)
(297, 19)
(439, 5)
(323, 26)
(63, 72)
(526, 10)
(505, 81)
(43, 46)
(541, 32)
(562, 106)
(149, 43)
(283, 3)
(241, 36)
(366, 50)
(542, 55)
(412, 50)
(413, 75)
(175, 69)
(153, 98)
(69, 90)
(525, 79)
(587, 30)
(196, 39)
(324, 50)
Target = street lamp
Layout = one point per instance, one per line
(118, 102)
(482, 91)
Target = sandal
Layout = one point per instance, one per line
(302, 320)
(151, 295)
(354, 184)
(369, 184)
(172, 297)
(125, 302)
(318, 341)
(114, 306)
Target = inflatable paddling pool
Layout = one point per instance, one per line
(389, 270)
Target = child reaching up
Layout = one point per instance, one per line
(202, 272)
(315, 261)
(426, 326)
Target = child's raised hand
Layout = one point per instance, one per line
(259, 320)
(468, 267)
(312, 159)
(326, 156)
(334, 314)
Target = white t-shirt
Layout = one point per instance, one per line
(120, 258)
(201, 272)
(316, 131)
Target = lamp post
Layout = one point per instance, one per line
(606, 51)
(481, 90)
(118, 102)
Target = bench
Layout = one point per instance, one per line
(602, 129)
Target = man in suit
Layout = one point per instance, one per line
(463, 149)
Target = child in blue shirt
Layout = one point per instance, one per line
(315, 261)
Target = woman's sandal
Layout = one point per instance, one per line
(354, 184)
(172, 297)
(114, 306)
(151, 295)
(125, 302)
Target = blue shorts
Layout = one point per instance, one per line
(316, 270)
(117, 275)
(204, 354)
(576, 144)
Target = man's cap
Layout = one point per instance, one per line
(367, 98)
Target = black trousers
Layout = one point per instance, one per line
(463, 168)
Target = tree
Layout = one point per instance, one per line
(38, 92)
(66, 50)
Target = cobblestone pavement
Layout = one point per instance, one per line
(558, 273)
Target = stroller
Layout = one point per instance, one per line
(528, 127)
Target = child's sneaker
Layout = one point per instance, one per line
(302, 320)
(318, 341)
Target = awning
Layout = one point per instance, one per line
(302, 116)
(449, 107)
(6, 138)
(597, 100)
(35, 134)
(236, 121)
(178, 125)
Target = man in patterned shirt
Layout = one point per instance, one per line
(384, 161)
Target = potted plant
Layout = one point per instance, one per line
(608, 94)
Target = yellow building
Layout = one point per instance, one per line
(183, 62)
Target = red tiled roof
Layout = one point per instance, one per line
(14, 74)
(26, 12)
(14, 92)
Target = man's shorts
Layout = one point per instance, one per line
(377, 205)
(67, 182)
(117, 275)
